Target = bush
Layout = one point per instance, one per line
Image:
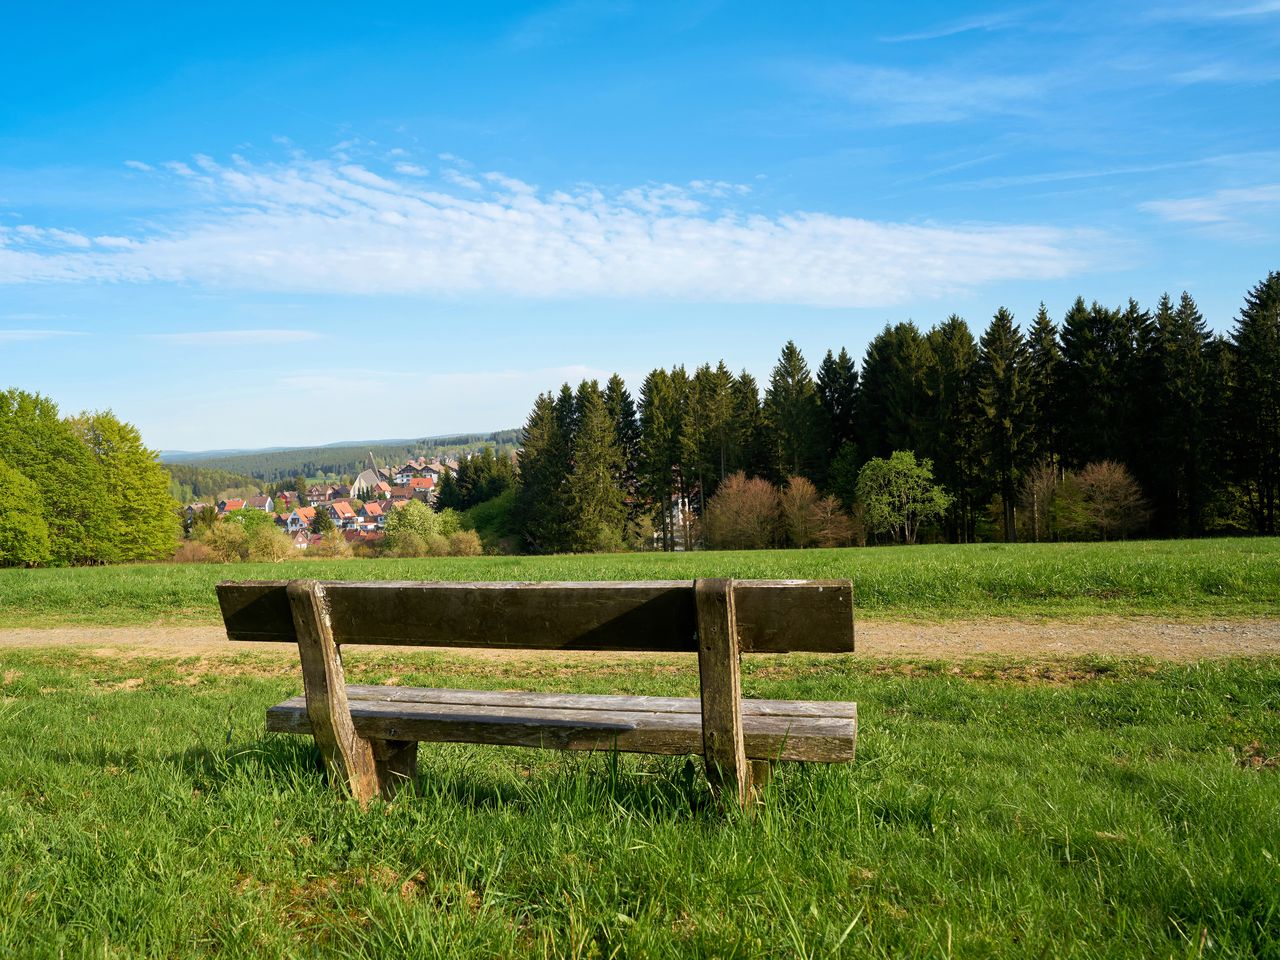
(228, 543)
(799, 502)
(333, 545)
(1103, 501)
(743, 515)
(192, 551)
(407, 545)
(437, 546)
(270, 545)
(465, 543)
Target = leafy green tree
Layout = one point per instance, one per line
(78, 511)
(954, 430)
(540, 513)
(595, 500)
(898, 494)
(253, 520)
(414, 518)
(792, 417)
(1255, 403)
(1004, 397)
(24, 535)
(145, 523)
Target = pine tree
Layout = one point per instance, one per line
(661, 418)
(837, 384)
(706, 433)
(1091, 391)
(1255, 402)
(893, 400)
(617, 399)
(746, 442)
(955, 439)
(540, 512)
(1044, 361)
(1180, 441)
(1003, 393)
(596, 508)
(793, 417)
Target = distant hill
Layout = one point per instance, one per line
(273, 464)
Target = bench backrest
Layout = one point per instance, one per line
(773, 616)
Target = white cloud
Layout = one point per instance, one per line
(987, 22)
(26, 336)
(411, 170)
(1221, 206)
(894, 96)
(318, 226)
(235, 338)
(137, 165)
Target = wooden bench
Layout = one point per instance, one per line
(369, 735)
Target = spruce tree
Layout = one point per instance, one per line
(746, 443)
(540, 513)
(621, 407)
(706, 433)
(1044, 361)
(1004, 396)
(954, 435)
(1255, 403)
(595, 502)
(893, 399)
(837, 384)
(793, 417)
(660, 426)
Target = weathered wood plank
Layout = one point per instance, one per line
(348, 756)
(773, 616)
(397, 765)
(594, 701)
(723, 749)
(818, 739)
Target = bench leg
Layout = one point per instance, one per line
(347, 755)
(397, 765)
(723, 747)
(761, 774)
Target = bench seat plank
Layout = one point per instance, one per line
(834, 709)
(828, 739)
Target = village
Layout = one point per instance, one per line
(357, 510)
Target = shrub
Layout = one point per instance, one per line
(798, 502)
(192, 551)
(270, 545)
(465, 543)
(228, 543)
(333, 545)
(1104, 501)
(437, 546)
(406, 544)
(835, 528)
(743, 515)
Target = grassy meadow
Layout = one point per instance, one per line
(1087, 809)
(1178, 579)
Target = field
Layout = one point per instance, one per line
(1002, 807)
(1171, 579)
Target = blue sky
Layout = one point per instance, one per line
(249, 224)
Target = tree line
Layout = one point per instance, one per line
(1176, 425)
(76, 490)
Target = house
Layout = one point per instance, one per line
(301, 540)
(422, 487)
(285, 500)
(227, 506)
(263, 503)
(342, 513)
(319, 493)
(300, 519)
(366, 482)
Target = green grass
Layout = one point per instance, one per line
(1187, 579)
(1078, 809)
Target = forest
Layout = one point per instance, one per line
(1116, 421)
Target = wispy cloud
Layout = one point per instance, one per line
(1215, 10)
(1221, 206)
(563, 22)
(894, 96)
(319, 226)
(27, 336)
(412, 170)
(984, 23)
(234, 338)
(138, 165)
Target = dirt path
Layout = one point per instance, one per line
(1143, 637)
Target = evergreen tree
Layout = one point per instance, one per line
(540, 512)
(707, 430)
(661, 417)
(893, 400)
(1044, 360)
(793, 417)
(617, 399)
(596, 510)
(1003, 393)
(1091, 391)
(144, 524)
(746, 444)
(41, 446)
(448, 493)
(954, 436)
(1255, 402)
(1180, 449)
(837, 384)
